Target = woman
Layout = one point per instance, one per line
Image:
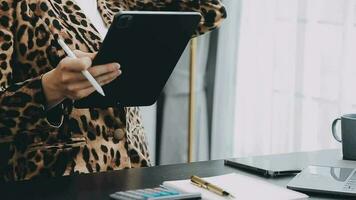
(41, 134)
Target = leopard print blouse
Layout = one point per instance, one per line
(32, 145)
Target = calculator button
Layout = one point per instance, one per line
(137, 194)
(146, 196)
(158, 194)
(128, 195)
(165, 193)
(170, 191)
(119, 197)
(140, 192)
(150, 191)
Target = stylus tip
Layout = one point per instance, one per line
(101, 92)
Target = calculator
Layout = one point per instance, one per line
(161, 193)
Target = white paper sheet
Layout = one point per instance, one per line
(240, 186)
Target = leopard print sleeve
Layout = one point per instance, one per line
(213, 11)
(22, 104)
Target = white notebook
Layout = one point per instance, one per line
(240, 186)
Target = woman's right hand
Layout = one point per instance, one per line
(67, 81)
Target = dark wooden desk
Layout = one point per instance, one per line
(100, 185)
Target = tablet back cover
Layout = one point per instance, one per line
(148, 46)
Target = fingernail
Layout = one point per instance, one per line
(118, 65)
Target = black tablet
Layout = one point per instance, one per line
(148, 45)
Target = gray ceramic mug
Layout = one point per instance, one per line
(348, 135)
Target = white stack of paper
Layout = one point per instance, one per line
(240, 186)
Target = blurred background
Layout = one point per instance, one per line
(270, 80)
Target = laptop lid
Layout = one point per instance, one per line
(272, 165)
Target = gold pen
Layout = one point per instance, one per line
(206, 185)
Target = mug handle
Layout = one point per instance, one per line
(333, 129)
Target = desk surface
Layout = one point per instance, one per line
(100, 185)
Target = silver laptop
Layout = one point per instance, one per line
(325, 179)
(271, 165)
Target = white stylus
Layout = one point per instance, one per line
(85, 73)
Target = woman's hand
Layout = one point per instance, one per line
(67, 81)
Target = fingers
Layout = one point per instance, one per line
(96, 72)
(74, 64)
(81, 54)
(102, 80)
(76, 94)
(108, 77)
(81, 93)
(103, 69)
(71, 81)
